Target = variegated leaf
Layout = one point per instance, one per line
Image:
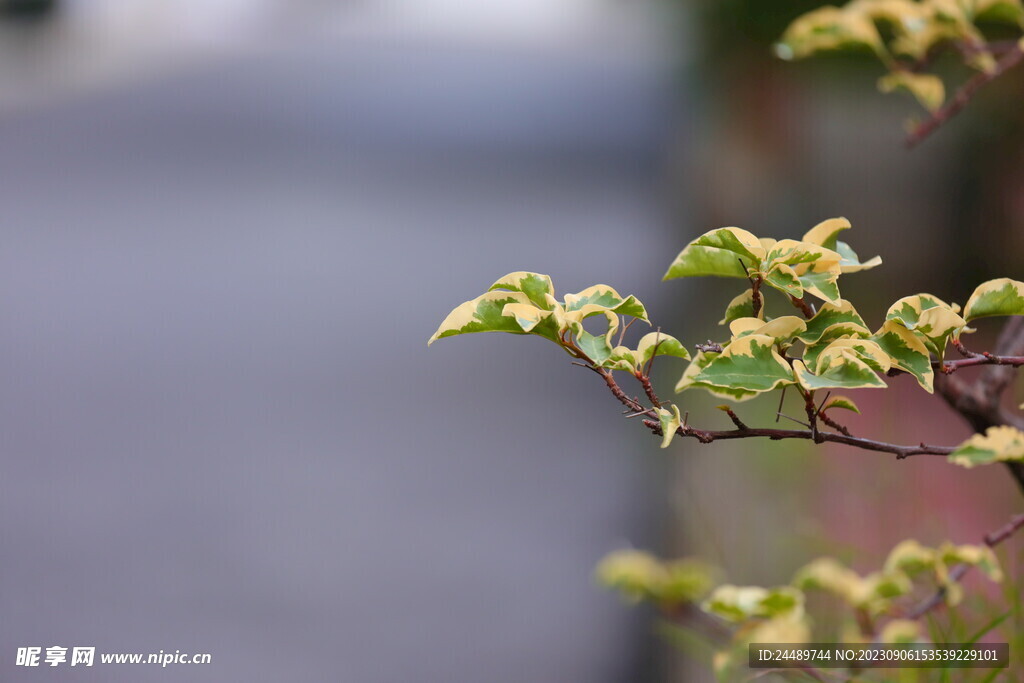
(659, 344)
(980, 556)
(837, 402)
(720, 253)
(927, 89)
(845, 371)
(782, 329)
(741, 307)
(907, 351)
(689, 381)
(911, 558)
(828, 317)
(930, 317)
(741, 603)
(997, 444)
(814, 267)
(828, 28)
(748, 364)
(486, 313)
(599, 298)
(996, 297)
(670, 421)
(536, 286)
(826, 234)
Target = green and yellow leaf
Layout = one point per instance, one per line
(782, 329)
(659, 344)
(599, 298)
(718, 253)
(741, 307)
(689, 381)
(748, 364)
(486, 313)
(842, 402)
(927, 89)
(536, 286)
(998, 444)
(996, 297)
(737, 604)
(670, 421)
(907, 352)
(826, 234)
(834, 320)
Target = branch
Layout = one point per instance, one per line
(950, 366)
(991, 540)
(901, 452)
(1009, 59)
(979, 402)
(705, 436)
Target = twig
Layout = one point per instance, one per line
(755, 289)
(950, 366)
(733, 416)
(1008, 60)
(805, 306)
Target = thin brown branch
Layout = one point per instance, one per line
(733, 416)
(950, 366)
(956, 573)
(901, 452)
(833, 424)
(806, 307)
(1007, 61)
(645, 382)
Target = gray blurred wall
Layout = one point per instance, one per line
(222, 429)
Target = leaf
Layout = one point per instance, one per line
(782, 329)
(864, 349)
(749, 364)
(830, 575)
(535, 286)
(998, 444)
(1003, 11)
(847, 373)
(928, 89)
(600, 298)
(907, 352)
(980, 556)
(828, 28)
(995, 297)
(828, 317)
(813, 267)
(740, 603)
(701, 361)
(718, 253)
(826, 234)
(635, 574)
(670, 421)
(659, 344)
(783, 278)
(930, 317)
(841, 402)
(686, 581)
(623, 358)
(901, 632)
(483, 314)
(910, 557)
(597, 347)
(740, 307)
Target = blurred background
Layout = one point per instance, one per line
(231, 225)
